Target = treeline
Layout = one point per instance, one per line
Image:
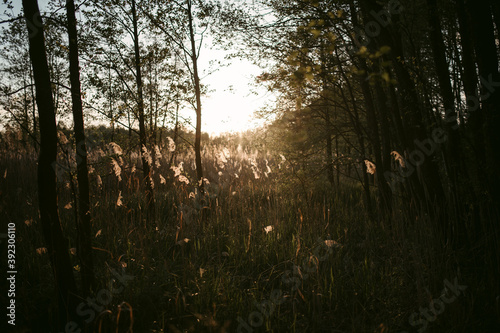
(407, 92)
(402, 96)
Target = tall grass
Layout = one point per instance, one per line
(207, 260)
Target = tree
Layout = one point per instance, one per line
(166, 18)
(18, 92)
(121, 33)
(196, 80)
(84, 248)
(57, 245)
(146, 167)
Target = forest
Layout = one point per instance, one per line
(367, 201)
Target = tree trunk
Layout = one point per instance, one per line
(487, 61)
(373, 131)
(84, 247)
(337, 164)
(386, 142)
(486, 120)
(430, 182)
(452, 156)
(359, 134)
(146, 167)
(475, 119)
(194, 59)
(469, 68)
(495, 8)
(439, 55)
(327, 116)
(57, 245)
(329, 153)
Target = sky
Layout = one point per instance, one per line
(230, 105)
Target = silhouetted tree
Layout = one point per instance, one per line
(57, 245)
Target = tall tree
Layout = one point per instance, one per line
(146, 167)
(196, 80)
(57, 245)
(177, 29)
(84, 247)
(487, 64)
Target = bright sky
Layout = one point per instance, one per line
(230, 105)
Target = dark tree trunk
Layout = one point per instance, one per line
(386, 142)
(366, 179)
(337, 164)
(469, 68)
(486, 119)
(329, 154)
(439, 55)
(475, 117)
(194, 59)
(430, 187)
(84, 247)
(495, 8)
(146, 167)
(487, 61)
(489, 112)
(452, 156)
(355, 119)
(373, 131)
(327, 117)
(57, 245)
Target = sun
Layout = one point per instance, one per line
(229, 113)
(231, 103)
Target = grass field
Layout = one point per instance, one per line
(261, 251)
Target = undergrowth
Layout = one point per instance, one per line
(257, 252)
